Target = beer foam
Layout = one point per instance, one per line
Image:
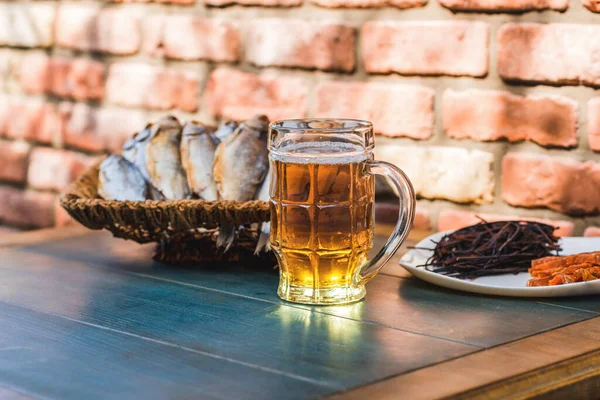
(320, 153)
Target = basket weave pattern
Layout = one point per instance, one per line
(171, 223)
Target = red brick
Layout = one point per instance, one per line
(142, 85)
(13, 161)
(26, 118)
(26, 208)
(451, 173)
(239, 95)
(187, 37)
(181, 2)
(30, 119)
(370, 3)
(51, 169)
(592, 5)
(563, 185)
(101, 129)
(153, 32)
(264, 3)
(505, 5)
(395, 110)
(53, 123)
(492, 115)
(34, 72)
(594, 123)
(80, 78)
(297, 43)
(549, 53)
(450, 220)
(426, 47)
(5, 108)
(591, 231)
(387, 213)
(88, 27)
(5, 69)
(6, 118)
(26, 24)
(19, 118)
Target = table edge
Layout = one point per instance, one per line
(498, 372)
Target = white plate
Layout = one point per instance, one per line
(503, 285)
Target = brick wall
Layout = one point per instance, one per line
(491, 106)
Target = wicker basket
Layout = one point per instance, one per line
(184, 230)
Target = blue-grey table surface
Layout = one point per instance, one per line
(91, 316)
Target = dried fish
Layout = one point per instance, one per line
(120, 180)
(197, 156)
(240, 166)
(134, 150)
(241, 161)
(130, 149)
(163, 159)
(225, 129)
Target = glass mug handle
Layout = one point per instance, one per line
(406, 196)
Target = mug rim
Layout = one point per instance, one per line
(360, 125)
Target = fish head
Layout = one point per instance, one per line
(129, 149)
(258, 123)
(166, 124)
(228, 123)
(193, 128)
(258, 127)
(225, 129)
(129, 144)
(167, 129)
(144, 134)
(169, 121)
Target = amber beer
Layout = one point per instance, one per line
(321, 219)
(322, 194)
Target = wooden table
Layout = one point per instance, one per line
(83, 315)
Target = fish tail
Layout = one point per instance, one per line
(263, 241)
(226, 236)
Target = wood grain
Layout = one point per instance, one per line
(574, 378)
(337, 352)
(405, 329)
(11, 394)
(478, 320)
(553, 363)
(405, 304)
(577, 303)
(47, 356)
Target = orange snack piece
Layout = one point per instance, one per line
(556, 270)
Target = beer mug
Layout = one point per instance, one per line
(322, 194)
